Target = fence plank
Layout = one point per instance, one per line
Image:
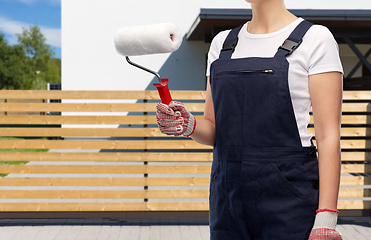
(123, 132)
(186, 95)
(355, 156)
(105, 181)
(66, 206)
(355, 204)
(148, 119)
(81, 132)
(34, 119)
(70, 144)
(354, 180)
(108, 156)
(71, 169)
(177, 206)
(135, 157)
(108, 169)
(88, 107)
(121, 107)
(43, 94)
(354, 107)
(103, 194)
(178, 95)
(357, 95)
(72, 181)
(72, 194)
(136, 181)
(353, 168)
(351, 144)
(184, 193)
(171, 144)
(105, 206)
(77, 119)
(121, 169)
(100, 144)
(135, 206)
(351, 192)
(139, 144)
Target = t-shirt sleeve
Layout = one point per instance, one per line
(215, 47)
(325, 54)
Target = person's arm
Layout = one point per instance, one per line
(326, 91)
(205, 129)
(326, 96)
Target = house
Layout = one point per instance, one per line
(90, 61)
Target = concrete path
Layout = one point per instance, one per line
(352, 228)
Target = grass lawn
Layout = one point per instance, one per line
(18, 150)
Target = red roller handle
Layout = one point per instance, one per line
(163, 90)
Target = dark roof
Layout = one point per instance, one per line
(352, 23)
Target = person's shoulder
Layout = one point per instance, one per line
(215, 48)
(319, 32)
(322, 50)
(223, 34)
(219, 39)
(217, 44)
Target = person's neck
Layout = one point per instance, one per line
(269, 16)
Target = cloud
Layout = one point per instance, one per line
(11, 27)
(52, 35)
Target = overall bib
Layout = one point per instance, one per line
(264, 184)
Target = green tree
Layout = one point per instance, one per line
(13, 66)
(34, 43)
(44, 68)
(54, 71)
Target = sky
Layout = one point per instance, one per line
(46, 14)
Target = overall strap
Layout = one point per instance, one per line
(230, 43)
(294, 40)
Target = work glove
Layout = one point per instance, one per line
(175, 119)
(324, 226)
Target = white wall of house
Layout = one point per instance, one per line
(89, 58)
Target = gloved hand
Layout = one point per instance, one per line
(324, 226)
(175, 119)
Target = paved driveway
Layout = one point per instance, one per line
(352, 228)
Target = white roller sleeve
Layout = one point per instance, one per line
(148, 39)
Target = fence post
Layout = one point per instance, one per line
(145, 150)
(367, 180)
(5, 101)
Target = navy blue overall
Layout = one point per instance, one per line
(264, 184)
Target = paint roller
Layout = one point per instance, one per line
(149, 39)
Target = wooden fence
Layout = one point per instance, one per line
(133, 167)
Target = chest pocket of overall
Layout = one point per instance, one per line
(249, 103)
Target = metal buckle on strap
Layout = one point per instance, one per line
(290, 46)
(230, 45)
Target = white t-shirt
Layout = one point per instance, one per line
(317, 53)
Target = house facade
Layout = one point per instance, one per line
(90, 60)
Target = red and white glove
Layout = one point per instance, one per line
(325, 226)
(175, 119)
